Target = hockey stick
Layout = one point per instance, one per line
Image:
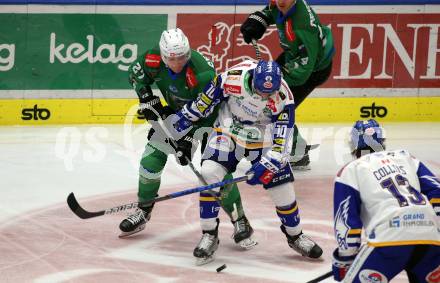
(173, 144)
(257, 49)
(258, 54)
(84, 214)
(322, 277)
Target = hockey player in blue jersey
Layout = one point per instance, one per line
(396, 200)
(255, 121)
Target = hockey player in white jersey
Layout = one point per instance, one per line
(396, 200)
(255, 122)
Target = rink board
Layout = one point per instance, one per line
(64, 60)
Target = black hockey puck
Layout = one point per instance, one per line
(220, 268)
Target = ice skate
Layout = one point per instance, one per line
(135, 222)
(243, 233)
(205, 249)
(303, 244)
(301, 165)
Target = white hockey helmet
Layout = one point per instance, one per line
(174, 43)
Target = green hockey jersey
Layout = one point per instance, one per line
(308, 44)
(177, 89)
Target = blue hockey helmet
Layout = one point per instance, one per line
(267, 77)
(367, 134)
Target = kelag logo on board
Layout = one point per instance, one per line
(7, 57)
(105, 53)
(73, 51)
(35, 113)
(373, 111)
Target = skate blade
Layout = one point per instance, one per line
(204, 260)
(126, 234)
(247, 244)
(301, 168)
(312, 146)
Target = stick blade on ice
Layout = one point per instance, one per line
(78, 210)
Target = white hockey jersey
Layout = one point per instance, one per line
(390, 194)
(252, 121)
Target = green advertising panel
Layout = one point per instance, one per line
(73, 51)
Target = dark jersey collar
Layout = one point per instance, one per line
(173, 75)
(282, 18)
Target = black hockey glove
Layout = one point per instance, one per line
(186, 147)
(254, 26)
(150, 106)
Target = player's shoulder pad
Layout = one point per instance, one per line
(231, 81)
(152, 59)
(406, 154)
(403, 152)
(349, 168)
(399, 153)
(234, 72)
(308, 22)
(200, 70)
(245, 65)
(233, 75)
(199, 61)
(285, 93)
(342, 169)
(347, 174)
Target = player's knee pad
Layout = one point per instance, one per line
(212, 171)
(209, 204)
(282, 195)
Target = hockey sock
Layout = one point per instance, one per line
(147, 188)
(209, 208)
(152, 163)
(147, 191)
(289, 216)
(231, 200)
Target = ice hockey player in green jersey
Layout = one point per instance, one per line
(180, 73)
(307, 58)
